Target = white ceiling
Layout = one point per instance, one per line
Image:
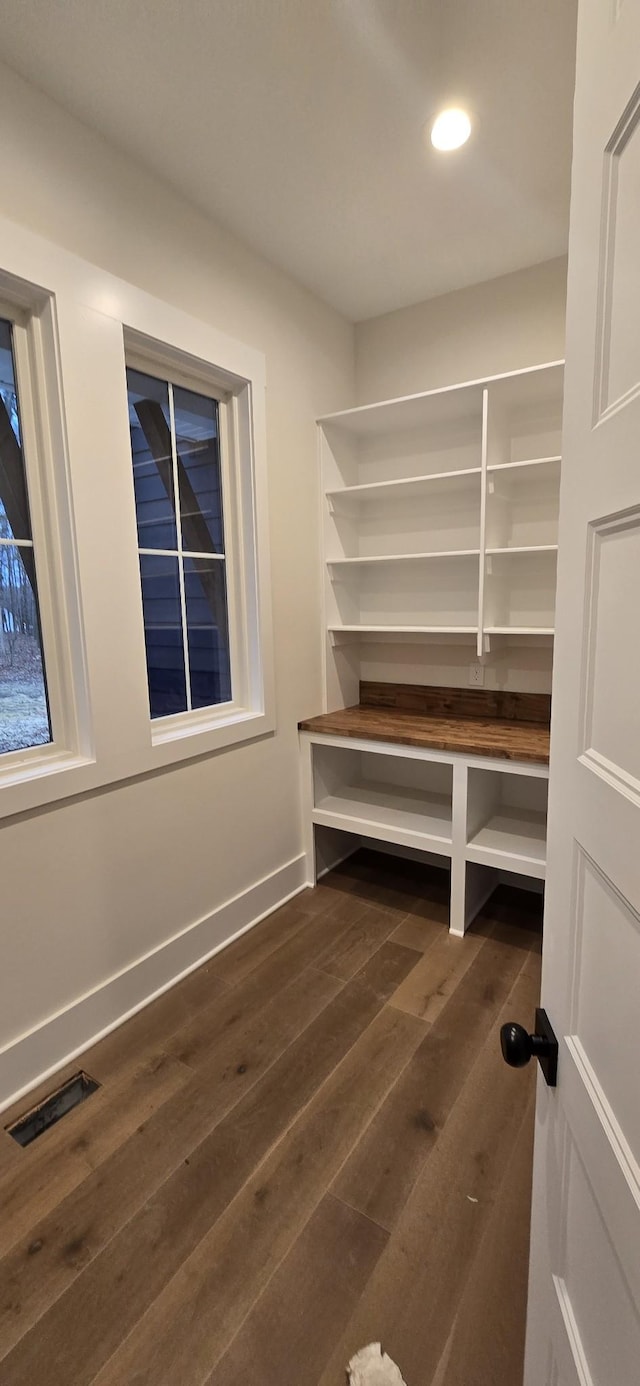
(298, 124)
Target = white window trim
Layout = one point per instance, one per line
(237, 468)
(32, 314)
(106, 734)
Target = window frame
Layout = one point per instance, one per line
(31, 313)
(237, 474)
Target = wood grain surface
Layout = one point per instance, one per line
(471, 736)
(306, 1145)
(435, 701)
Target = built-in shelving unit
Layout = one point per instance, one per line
(477, 815)
(440, 539)
(440, 514)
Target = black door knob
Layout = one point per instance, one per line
(518, 1047)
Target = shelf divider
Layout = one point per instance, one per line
(480, 644)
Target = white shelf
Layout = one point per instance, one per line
(403, 557)
(429, 409)
(514, 839)
(405, 485)
(446, 401)
(523, 548)
(527, 462)
(519, 630)
(410, 817)
(404, 630)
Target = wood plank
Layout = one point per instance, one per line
(193, 1321)
(126, 1266)
(378, 881)
(382, 1169)
(62, 1158)
(429, 913)
(122, 1187)
(385, 970)
(288, 1336)
(250, 950)
(381, 880)
(486, 1344)
(433, 701)
(149, 1030)
(437, 974)
(195, 1042)
(342, 881)
(471, 736)
(247, 1051)
(421, 931)
(412, 1297)
(371, 928)
(9, 1153)
(189, 1019)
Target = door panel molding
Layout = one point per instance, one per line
(604, 687)
(606, 1157)
(575, 1361)
(609, 238)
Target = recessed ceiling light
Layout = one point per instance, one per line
(450, 129)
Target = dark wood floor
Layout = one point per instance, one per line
(310, 1144)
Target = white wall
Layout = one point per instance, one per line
(502, 325)
(95, 885)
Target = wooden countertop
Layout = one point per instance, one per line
(476, 736)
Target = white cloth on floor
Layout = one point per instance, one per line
(372, 1367)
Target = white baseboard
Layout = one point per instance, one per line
(33, 1057)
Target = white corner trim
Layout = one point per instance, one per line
(33, 1057)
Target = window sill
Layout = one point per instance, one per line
(194, 734)
(32, 783)
(185, 724)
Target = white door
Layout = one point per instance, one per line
(584, 1294)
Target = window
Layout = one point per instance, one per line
(124, 591)
(24, 708)
(198, 516)
(177, 471)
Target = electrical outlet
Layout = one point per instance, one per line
(476, 675)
